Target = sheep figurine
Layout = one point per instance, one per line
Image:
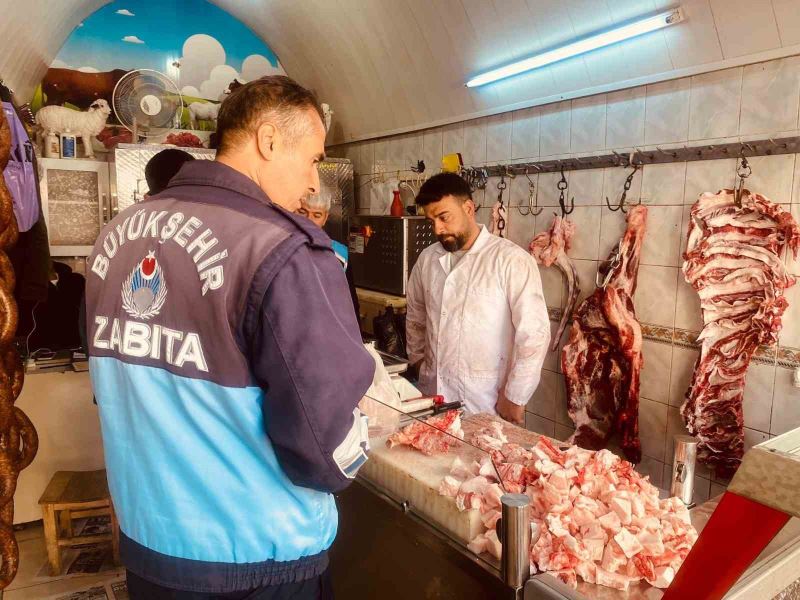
(86, 125)
(207, 111)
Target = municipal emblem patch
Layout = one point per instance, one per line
(144, 291)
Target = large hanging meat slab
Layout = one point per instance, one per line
(733, 261)
(602, 359)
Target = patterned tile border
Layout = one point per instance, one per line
(788, 358)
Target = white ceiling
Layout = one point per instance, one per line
(388, 66)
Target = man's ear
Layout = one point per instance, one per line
(265, 140)
(469, 207)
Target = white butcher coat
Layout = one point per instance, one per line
(480, 328)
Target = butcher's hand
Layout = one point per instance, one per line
(514, 413)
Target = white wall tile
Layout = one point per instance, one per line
(667, 112)
(682, 369)
(717, 489)
(411, 149)
(551, 359)
(714, 106)
(788, 18)
(587, 187)
(562, 412)
(453, 138)
(547, 395)
(612, 228)
(786, 403)
(554, 129)
(474, 152)
(498, 138)
(790, 334)
(691, 40)
(662, 241)
(588, 124)
(770, 96)
(663, 184)
(740, 35)
(432, 141)
(586, 241)
(688, 314)
(552, 286)
(655, 295)
(708, 176)
(753, 438)
(625, 118)
(655, 371)
(587, 272)
(563, 433)
(758, 391)
(772, 177)
(381, 153)
(525, 133)
(652, 428)
(366, 158)
(540, 425)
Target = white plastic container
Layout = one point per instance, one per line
(52, 146)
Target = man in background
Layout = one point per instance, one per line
(162, 168)
(476, 321)
(317, 208)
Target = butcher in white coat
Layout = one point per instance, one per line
(477, 324)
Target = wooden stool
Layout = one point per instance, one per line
(75, 495)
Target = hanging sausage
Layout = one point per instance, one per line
(18, 439)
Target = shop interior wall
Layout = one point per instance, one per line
(753, 102)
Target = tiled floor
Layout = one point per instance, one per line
(32, 555)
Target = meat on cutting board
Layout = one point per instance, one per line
(733, 261)
(550, 248)
(435, 435)
(602, 358)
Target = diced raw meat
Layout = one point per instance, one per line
(490, 518)
(449, 486)
(479, 545)
(628, 542)
(462, 470)
(586, 570)
(612, 580)
(664, 577)
(623, 509)
(611, 522)
(492, 495)
(733, 261)
(613, 557)
(495, 548)
(567, 576)
(651, 541)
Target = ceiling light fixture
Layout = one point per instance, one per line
(600, 40)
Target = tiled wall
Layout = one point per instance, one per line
(753, 102)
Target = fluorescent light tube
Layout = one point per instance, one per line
(600, 40)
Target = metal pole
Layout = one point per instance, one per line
(515, 529)
(683, 467)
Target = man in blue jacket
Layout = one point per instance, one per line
(205, 307)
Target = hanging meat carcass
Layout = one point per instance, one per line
(733, 261)
(602, 359)
(550, 248)
(18, 439)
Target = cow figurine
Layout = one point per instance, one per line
(86, 125)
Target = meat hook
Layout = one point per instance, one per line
(625, 189)
(562, 186)
(501, 222)
(743, 171)
(533, 207)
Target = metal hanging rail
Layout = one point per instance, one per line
(765, 147)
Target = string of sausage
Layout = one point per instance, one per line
(18, 439)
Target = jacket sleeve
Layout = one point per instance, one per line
(415, 316)
(308, 357)
(531, 327)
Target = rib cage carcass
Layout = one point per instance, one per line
(733, 260)
(18, 439)
(602, 360)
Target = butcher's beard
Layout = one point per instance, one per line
(453, 243)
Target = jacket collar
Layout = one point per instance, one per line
(216, 174)
(480, 243)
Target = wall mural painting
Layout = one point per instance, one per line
(200, 48)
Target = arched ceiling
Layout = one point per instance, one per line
(388, 66)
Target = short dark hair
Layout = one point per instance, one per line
(163, 167)
(275, 97)
(441, 185)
